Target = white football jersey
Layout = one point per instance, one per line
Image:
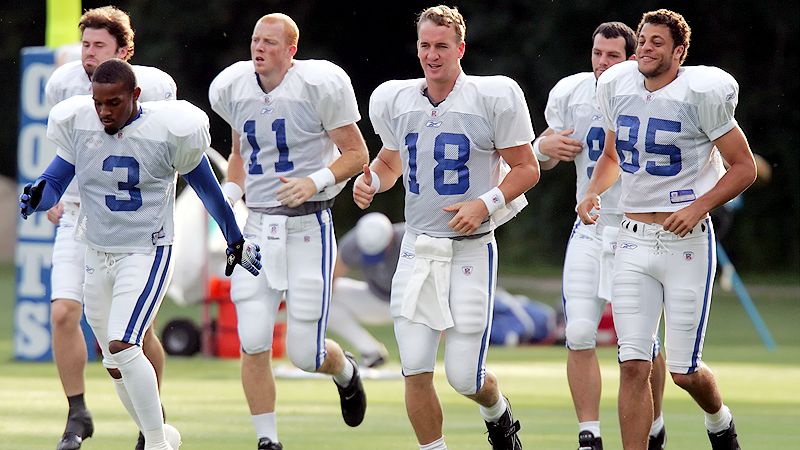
(71, 79)
(449, 152)
(665, 138)
(284, 132)
(127, 180)
(572, 104)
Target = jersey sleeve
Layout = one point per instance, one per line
(337, 106)
(555, 113)
(718, 94)
(155, 84)
(190, 135)
(380, 115)
(512, 120)
(220, 92)
(60, 123)
(348, 250)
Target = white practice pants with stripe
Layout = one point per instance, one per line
(656, 270)
(310, 257)
(123, 292)
(473, 279)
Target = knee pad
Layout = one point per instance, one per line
(305, 345)
(254, 326)
(464, 381)
(581, 334)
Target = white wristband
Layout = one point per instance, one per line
(232, 191)
(493, 199)
(538, 152)
(323, 178)
(376, 181)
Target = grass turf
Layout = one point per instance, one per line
(203, 397)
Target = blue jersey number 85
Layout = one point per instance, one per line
(629, 146)
(443, 164)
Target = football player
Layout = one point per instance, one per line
(668, 127)
(105, 33)
(447, 135)
(295, 145)
(576, 134)
(124, 156)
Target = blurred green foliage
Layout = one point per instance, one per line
(535, 42)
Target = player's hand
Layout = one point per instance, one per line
(684, 220)
(295, 191)
(469, 216)
(363, 192)
(54, 214)
(560, 146)
(590, 202)
(30, 197)
(245, 254)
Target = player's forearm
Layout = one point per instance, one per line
(236, 169)
(387, 166)
(205, 184)
(604, 175)
(354, 152)
(520, 179)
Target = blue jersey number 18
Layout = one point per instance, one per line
(443, 164)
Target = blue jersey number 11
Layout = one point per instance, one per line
(283, 164)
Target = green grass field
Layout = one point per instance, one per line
(203, 397)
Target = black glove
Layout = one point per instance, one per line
(245, 254)
(30, 197)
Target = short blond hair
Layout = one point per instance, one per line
(445, 16)
(289, 26)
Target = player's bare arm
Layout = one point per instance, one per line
(379, 176)
(295, 191)
(234, 187)
(524, 175)
(740, 175)
(604, 176)
(558, 146)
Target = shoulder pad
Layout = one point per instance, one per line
(180, 117)
(712, 83)
(77, 105)
(566, 86)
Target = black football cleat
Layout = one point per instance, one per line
(352, 398)
(503, 433)
(79, 427)
(725, 439)
(588, 441)
(267, 444)
(658, 442)
(140, 442)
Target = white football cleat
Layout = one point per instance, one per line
(173, 436)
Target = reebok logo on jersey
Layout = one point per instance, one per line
(433, 124)
(407, 255)
(627, 245)
(89, 270)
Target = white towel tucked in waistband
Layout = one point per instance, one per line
(609, 247)
(273, 236)
(426, 299)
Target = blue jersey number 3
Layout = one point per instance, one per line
(443, 164)
(135, 194)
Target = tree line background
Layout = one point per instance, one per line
(534, 42)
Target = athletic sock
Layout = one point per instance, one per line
(139, 379)
(592, 426)
(122, 393)
(76, 403)
(266, 426)
(343, 378)
(494, 412)
(657, 425)
(719, 421)
(435, 445)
